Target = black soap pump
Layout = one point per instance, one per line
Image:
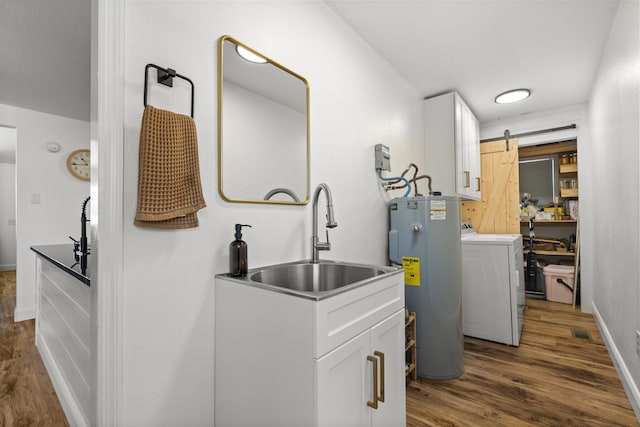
(238, 254)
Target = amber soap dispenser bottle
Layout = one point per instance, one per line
(238, 266)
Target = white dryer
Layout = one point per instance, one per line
(493, 294)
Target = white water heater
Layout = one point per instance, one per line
(424, 236)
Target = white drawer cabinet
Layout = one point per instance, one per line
(283, 360)
(452, 146)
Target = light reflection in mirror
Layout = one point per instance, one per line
(250, 56)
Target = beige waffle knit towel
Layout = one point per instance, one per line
(169, 188)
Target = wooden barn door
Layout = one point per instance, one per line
(498, 212)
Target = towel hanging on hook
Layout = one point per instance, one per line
(169, 187)
(165, 77)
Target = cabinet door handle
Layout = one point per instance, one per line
(478, 181)
(374, 361)
(467, 178)
(381, 356)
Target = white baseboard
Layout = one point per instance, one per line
(26, 313)
(630, 387)
(69, 404)
(7, 267)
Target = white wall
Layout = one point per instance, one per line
(553, 118)
(42, 173)
(613, 166)
(357, 100)
(249, 120)
(7, 216)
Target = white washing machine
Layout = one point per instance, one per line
(493, 294)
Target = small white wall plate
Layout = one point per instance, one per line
(53, 147)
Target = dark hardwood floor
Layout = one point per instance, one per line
(552, 379)
(27, 397)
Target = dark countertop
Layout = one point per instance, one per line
(62, 256)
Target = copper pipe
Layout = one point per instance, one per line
(413, 180)
(404, 173)
(391, 185)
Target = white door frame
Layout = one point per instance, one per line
(107, 187)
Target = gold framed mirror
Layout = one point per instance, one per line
(263, 129)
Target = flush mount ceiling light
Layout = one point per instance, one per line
(514, 95)
(250, 56)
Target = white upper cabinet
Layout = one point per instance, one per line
(452, 146)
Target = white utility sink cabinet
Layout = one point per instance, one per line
(285, 360)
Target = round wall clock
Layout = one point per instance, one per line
(79, 165)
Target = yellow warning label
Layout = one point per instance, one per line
(411, 267)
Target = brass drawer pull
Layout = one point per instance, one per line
(467, 179)
(478, 181)
(374, 404)
(381, 356)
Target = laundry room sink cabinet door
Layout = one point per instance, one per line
(346, 377)
(386, 337)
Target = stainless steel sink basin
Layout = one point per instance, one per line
(316, 281)
(315, 277)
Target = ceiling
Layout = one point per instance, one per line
(481, 48)
(45, 51)
(477, 47)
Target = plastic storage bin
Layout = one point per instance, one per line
(556, 291)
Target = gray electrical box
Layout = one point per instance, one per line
(383, 158)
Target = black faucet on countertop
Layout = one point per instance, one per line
(81, 247)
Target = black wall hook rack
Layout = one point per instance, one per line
(165, 77)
